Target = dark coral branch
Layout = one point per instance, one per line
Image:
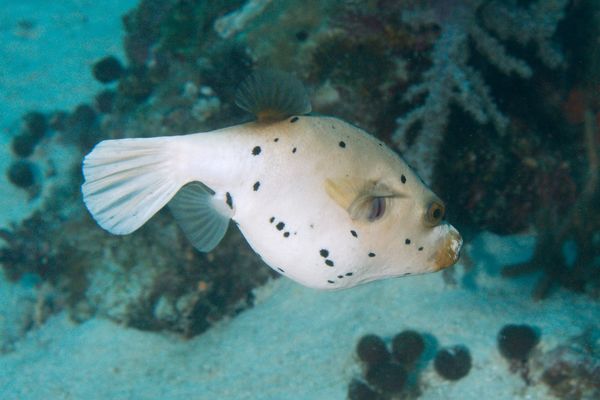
(579, 225)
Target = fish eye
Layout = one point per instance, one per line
(377, 209)
(435, 213)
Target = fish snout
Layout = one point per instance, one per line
(449, 250)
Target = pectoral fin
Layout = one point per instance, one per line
(356, 197)
(202, 217)
(343, 191)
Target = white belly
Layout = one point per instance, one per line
(281, 206)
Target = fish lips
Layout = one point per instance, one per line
(449, 248)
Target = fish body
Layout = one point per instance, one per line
(320, 200)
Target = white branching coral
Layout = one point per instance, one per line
(450, 80)
(236, 21)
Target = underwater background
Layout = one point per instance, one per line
(495, 103)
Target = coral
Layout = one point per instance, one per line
(23, 145)
(571, 370)
(159, 32)
(34, 127)
(356, 62)
(82, 125)
(57, 120)
(35, 124)
(285, 25)
(236, 21)
(407, 347)
(26, 250)
(578, 226)
(451, 80)
(158, 281)
(388, 377)
(371, 350)
(358, 65)
(136, 86)
(453, 363)
(108, 69)
(105, 101)
(152, 280)
(16, 310)
(539, 175)
(206, 106)
(224, 67)
(358, 390)
(21, 173)
(143, 27)
(516, 342)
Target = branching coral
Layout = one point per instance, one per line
(579, 226)
(567, 251)
(235, 21)
(452, 80)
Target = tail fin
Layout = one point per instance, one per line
(127, 181)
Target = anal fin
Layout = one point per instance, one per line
(201, 216)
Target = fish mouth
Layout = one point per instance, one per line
(449, 251)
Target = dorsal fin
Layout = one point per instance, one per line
(272, 95)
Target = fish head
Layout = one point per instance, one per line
(401, 221)
(414, 233)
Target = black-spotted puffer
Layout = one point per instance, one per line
(320, 200)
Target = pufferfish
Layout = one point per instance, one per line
(320, 200)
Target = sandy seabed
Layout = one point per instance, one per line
(298, 343)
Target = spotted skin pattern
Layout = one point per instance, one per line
(282, 208)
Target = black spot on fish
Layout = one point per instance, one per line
(312, 226)
(294, 150)
(421, 248)
(354, 234)
(256, 151)
(271, 219)
(329, 263)
(342, 144)
(324, 253)
(280, 270)
(406, 274)
(256, 186)
(407, 241)
(402, 179)
(330, 281)
(332, 126)
(371, 254)
(229, 200)
(280, 226)
(348, 273)
(340, 276)
(276, 140)
(286, 234)
(294, 119)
